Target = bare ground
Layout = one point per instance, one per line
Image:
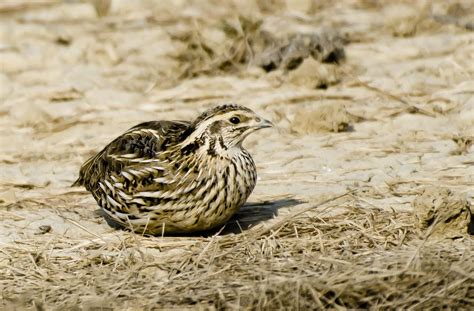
(331, 223)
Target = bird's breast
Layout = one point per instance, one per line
(223, 187)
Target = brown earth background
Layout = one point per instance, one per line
(378, 107)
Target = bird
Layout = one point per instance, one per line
(176, 177)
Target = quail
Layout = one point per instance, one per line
(176, 176)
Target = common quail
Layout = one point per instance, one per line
(176, 176)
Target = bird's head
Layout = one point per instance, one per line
(226, 125)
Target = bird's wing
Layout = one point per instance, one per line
(132, 160)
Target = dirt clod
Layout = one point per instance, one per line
(463, 143)
(325, 118)
(43, 229)
(315, 75)
(325, 46)
(443, 213)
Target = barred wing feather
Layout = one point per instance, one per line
(132, 161)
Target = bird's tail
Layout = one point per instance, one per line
(79, 182)
(84, 172)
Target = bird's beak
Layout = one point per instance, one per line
(264, 124)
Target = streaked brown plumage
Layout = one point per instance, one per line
(176, 176)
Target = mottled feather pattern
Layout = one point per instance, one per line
(175, 176)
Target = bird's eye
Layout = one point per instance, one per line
(234, 120)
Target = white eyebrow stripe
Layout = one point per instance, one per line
(203, 126)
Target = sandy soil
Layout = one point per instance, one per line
(396, 116)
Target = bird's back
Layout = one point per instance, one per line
(140, 143)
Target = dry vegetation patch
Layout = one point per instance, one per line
(373, 105)
(446, 214)
(357, 259)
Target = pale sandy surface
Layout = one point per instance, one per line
(70, 82)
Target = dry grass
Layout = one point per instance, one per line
(359, 258)
(373, 96)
